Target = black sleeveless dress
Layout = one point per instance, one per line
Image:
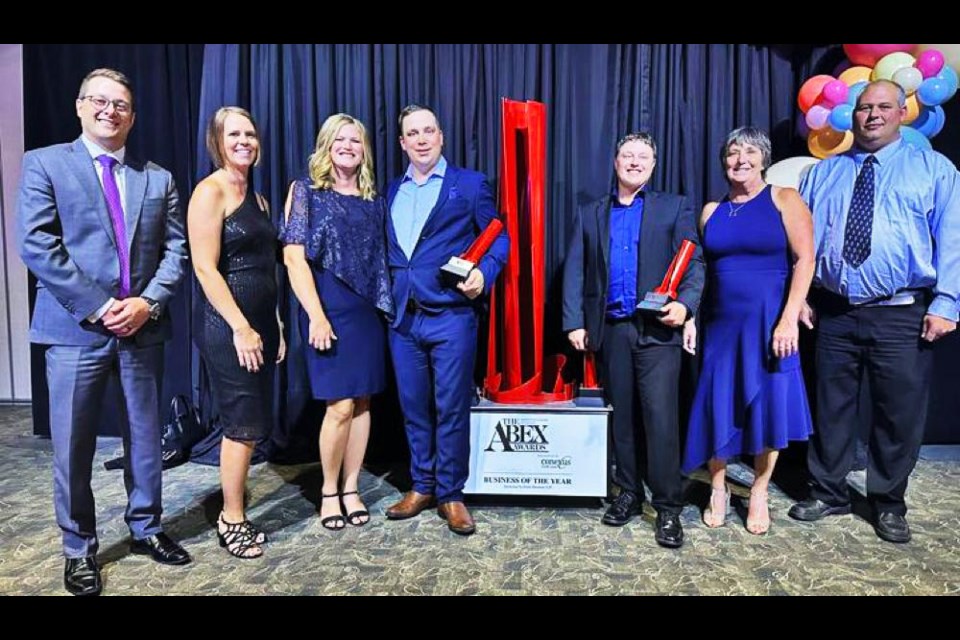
(248, 263)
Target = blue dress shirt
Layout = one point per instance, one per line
(413, 204)
(916, 226)
(625, 224)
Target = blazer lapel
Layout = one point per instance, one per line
(650, 208)
(449, 180)
(136, 189)
(82, 164)
(391, 229)
(603, 225)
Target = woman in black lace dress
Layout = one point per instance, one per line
(233, 244)
(335, 252)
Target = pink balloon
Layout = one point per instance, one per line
(930, 63)
(869, 54)
(836, 92)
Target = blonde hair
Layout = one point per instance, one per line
(321, 166)
(215, 134)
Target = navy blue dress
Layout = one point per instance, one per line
(747, 399)
(345, 243)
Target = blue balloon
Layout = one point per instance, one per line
(949, 76)
(926, 123)
(933, 92)
(841, 118)
(855, 92)
(914, 137)
(941, 122)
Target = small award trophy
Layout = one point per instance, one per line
(654, 301)
(458, 269)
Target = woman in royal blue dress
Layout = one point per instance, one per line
(335, 252)
(751, 400)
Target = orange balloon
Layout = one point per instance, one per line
(913, 109)
(811, 90)
(853, 75)
(827, 142)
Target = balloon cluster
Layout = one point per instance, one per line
(923, 70)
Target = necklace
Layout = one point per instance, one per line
(735, 210)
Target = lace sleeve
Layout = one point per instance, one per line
(296, 229)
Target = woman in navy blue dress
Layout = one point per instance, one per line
(335, 252)
(758, 244)
(233, 244)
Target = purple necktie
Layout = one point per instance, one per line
(112, 193)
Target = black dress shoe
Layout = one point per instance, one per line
(892, 528)
(623, 509)
(81, 576)
(161, 548)
(669, 531)
(812, 510)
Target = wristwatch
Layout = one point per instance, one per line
(154, 307)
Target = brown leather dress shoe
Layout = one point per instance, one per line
(410, 505)
(458, 518)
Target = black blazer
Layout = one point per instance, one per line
(667, 221)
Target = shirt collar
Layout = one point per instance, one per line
(882, 156)
(96, 150)
(440, 170)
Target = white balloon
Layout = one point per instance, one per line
(790, 172)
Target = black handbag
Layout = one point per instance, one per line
(180, 432)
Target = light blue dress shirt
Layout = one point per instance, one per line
(916, 227)
(413, 204)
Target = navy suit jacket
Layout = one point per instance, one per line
(66, 239)
(464, 209)
(667, 221)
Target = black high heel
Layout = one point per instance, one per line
(240, 538)
(333, 523)
(355, 517)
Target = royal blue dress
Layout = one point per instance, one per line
(345, 243)
(747, 399)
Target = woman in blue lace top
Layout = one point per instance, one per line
(335, 252)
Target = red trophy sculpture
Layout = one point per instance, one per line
(666, 293)
(458, 269)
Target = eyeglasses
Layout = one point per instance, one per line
(101, 103)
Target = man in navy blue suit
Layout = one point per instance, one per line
(101, 230)
(436, 211)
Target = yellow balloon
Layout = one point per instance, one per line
(853, 75)
(950, 51)
(827, 142)
(913, 110)
(890, 64)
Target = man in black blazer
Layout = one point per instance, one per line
(621, 248)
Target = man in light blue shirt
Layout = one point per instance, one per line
(887, 232)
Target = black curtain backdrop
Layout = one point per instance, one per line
(688, 95)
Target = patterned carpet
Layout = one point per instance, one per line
(556, 550)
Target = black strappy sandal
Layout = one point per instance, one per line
(331, 522)
(239, 538)
(355, 518)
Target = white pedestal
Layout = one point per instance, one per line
(539, 450)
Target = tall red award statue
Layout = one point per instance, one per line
(517, 372)
(458, 269)
(654, 301)
(529, 435)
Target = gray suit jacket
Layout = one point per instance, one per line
(67, 241)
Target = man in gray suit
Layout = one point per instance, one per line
(102, 233)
